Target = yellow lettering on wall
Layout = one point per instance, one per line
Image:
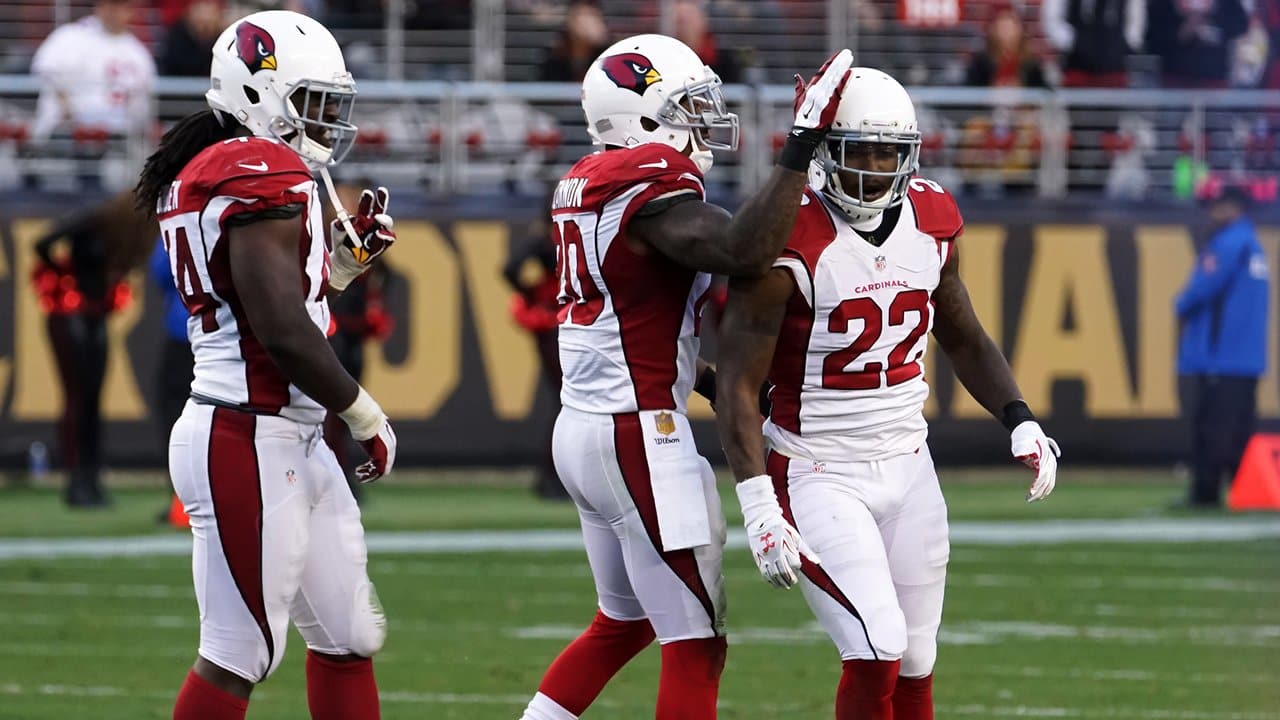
(121, 398)
(1269, 387)
(5, 363)
(415, 388)
(982, 266)
(1165, 258)
(1069, 270)
(37, 391)
(507, 350)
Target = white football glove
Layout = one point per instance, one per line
(1038, 452)
(816, 102)
(374, 234)
(371, 428)
(774, 543)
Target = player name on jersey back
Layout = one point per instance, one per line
(849, 366)
(628, 316)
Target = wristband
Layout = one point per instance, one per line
(706, 384)
(1016, 413)
(798, 151)
(364, 416)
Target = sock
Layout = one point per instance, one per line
(584, 667)
(866, 690)
(542, 707)
(200, 700)
(913, 698)
(690, 679)
(341, 690)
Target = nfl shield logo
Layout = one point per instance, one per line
(664, 423)
(880, 263)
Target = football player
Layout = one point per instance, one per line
(839, 327)
(277, 531)
(636, 240)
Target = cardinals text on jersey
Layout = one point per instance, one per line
(849, 366)
(234, 178)
(628, 321)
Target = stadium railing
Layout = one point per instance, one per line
(469, 137)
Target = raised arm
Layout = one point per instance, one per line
(704, 237)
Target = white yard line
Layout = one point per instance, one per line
(1051, 532)
(772, 709)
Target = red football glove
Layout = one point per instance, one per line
(374, 234)
(382, 454)
(816, 102)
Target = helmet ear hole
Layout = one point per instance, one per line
(649, 124)
(252, 94)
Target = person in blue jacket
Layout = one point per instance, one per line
(177, 364)
(1222, 350)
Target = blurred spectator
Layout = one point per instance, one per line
(1007, 60)
(1268, 12)
(693, 28)
(176, 370)
(1094, 38)
(1223, 346)
(1193, 39)
(531, 273)
(582, 39)
(95, 73)
(78, 287)
(187, 43)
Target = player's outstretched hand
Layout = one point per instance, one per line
(775, 545)
(816, 101)
(374, 235)
(382, 454)
(1038, 452)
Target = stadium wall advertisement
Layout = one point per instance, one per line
(1080, 298)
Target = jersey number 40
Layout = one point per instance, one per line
(579, 297)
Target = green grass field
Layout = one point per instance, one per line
(1143, 630)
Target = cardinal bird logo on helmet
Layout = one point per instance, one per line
(256, 47)
(630, 71)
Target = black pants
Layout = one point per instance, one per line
(1223, 411)
(80, 348)
(173, 387)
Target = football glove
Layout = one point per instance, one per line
(1038, 452)
(374, 234)
(816, 101)
(372, 430)
(775, 545)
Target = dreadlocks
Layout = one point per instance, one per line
(180, 143)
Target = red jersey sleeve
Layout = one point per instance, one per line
(248, 175)
(626, 180)
(936, 211)
(812, 233)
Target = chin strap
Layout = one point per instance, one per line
(343, 216)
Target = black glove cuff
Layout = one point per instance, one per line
(1016, 413)
(706, 384)
(798, 151)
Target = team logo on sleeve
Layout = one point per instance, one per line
(256, 47)
(630, 71)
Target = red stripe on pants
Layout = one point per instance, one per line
(776, 466)
(237, 507)
(628, 441)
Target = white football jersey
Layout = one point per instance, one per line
(628, 320)
(848, 371)
(229, 179)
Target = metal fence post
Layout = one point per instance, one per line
(488, 46)
(394, 36)
(837, 25)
